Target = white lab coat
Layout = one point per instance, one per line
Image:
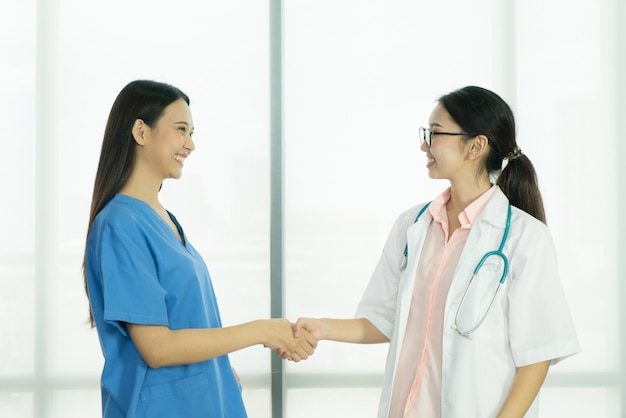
(530, 321)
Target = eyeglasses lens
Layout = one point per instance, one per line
(424, 136)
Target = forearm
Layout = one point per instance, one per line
(159, 346)
(359, 330)
(526, 385)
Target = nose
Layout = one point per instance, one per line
(424, 147)
(189, 144)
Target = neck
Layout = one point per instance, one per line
(462, 196)
(137, 187)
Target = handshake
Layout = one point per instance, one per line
(292, 341)
(297, 341)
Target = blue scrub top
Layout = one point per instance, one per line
(138, 271)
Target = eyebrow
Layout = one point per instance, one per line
(435, 124)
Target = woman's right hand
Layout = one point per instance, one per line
(304, 326)
(311, 325)
(279, 336)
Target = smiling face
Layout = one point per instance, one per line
(164, 147)
(446, 155)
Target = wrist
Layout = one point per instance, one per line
(322, 329)
(258, 330)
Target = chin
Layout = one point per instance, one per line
(433, 175)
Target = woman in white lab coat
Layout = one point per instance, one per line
(485, 354)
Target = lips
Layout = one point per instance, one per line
(179, 158)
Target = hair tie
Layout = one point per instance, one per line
(514, 155)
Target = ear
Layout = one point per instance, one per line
(479, 146)
(139, 131)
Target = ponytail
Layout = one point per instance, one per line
(518, 181)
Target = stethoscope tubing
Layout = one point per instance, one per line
(497, 253)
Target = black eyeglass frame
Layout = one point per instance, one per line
(426, 135)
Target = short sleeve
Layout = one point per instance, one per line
(378, 303)
(131, 289)
(379, 299)
(540, 324)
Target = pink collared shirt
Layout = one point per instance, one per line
(417, 385)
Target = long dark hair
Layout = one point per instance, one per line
(140, 99)
(479, 111)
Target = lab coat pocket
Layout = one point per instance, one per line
(188, 397)
(479, 295)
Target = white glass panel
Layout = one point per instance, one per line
(579, 403)
(17, 127)
(17, 336)
(360, 78)
(567, 126)
(332, 403)
(76, 404)
(257, 401)
(16, 404)
(17, 182)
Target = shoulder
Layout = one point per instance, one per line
(121, 213)
(397, 235)
(529, 238)
(527, 223)
(410, 216)
(525, 232)
(496, 212)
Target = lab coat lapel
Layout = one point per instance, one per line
(416, 234)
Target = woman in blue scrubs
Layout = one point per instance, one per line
(151, 297)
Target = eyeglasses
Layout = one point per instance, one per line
(426, 135)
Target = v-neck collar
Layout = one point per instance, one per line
(182, 240)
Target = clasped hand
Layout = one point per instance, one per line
(304, 328)
(288, 343)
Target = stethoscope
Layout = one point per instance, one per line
(505, 269)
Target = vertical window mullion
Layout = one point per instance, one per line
(505, 49)
(46, 187)
(276, 187)
(619, 8)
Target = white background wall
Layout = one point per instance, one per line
(360, 77)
